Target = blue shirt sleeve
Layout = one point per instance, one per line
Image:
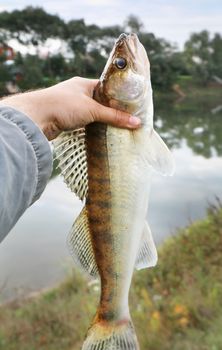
(25, 166)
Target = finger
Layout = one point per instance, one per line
(115, 117)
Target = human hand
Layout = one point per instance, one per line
(67, 105)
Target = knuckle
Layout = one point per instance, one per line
(95, 112)
(119, 117)
(76, 78)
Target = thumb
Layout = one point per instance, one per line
(115, 117)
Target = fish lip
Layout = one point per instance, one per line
(124, 39)
(130, 50)
(124, 36)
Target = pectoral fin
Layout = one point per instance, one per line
(156, 153)
(147, 254)
(80, 245)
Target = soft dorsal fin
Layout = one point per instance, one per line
(80, 245)
(70, 150)
(147, 254)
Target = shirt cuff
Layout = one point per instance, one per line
(39, 143)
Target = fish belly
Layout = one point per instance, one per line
(117, 203)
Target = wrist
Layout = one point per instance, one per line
(38, 107)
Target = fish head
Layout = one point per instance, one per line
(125, 82)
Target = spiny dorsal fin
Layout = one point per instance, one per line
(147, 254)
(70, 150)
(80, 245)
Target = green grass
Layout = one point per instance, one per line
(175, 306)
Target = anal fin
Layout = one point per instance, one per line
(147, 254)
(80, 245)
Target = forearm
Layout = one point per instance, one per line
(25, 166)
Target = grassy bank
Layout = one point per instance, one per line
(192, 91)
(177, 305)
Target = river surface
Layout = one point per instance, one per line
(35, 256)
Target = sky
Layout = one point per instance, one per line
(173, 20)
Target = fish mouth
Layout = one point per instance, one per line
(121, 38)
(130, 41)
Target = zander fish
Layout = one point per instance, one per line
(110, 169)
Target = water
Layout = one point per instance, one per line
(34, 255)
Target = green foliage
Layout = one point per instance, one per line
(204, 56)
(191, 120)
(133, 24)
(176, 305)
(182, 295)
(4, 76)
(32, 71)
(31, 25)
(91, 44)
(55, 67)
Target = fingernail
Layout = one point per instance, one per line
(134, 121)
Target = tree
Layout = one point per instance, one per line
(133, 24)
(5, 76)
(91, 45)
(166, 62)
(31, 68)
(31, 25)
(216, 45)
(77, 36)
(55, 67)
(204, 56)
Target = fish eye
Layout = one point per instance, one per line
(120, 62)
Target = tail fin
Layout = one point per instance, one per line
(106, 336)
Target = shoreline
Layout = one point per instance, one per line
(176, 305)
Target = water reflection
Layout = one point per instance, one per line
(33, 255)
(198, 121)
